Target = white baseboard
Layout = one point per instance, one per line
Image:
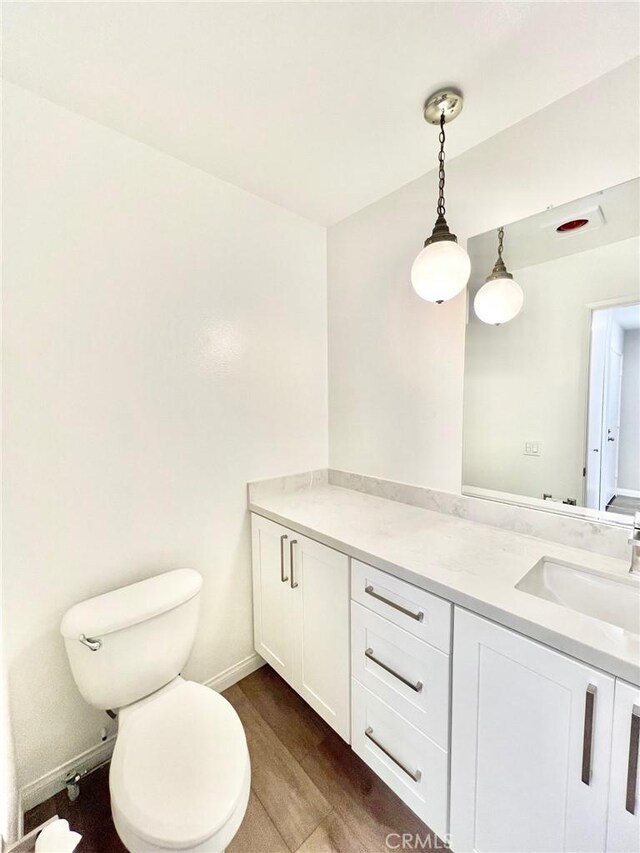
(235, 673)
(628, 493)
(51, 783)
(26, 843)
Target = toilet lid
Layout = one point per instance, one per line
(179, 765)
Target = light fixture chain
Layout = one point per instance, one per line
(441, 207)
(500, 241)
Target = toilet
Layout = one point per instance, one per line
(180, 772)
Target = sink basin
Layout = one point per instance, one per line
(614, 600)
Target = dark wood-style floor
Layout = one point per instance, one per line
(309, 792)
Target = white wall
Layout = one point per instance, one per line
(165, 342)
(527, 380)
(395, 361)
(629, 460)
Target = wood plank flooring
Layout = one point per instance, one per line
(309, 792)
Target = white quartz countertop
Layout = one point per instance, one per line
(473, 565)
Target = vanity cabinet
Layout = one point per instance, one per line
(623, 828)
(494, 740)
(301, 617)
(531, 744)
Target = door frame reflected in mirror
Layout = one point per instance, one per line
(602, 433)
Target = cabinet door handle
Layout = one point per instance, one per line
(418, 684)
(291, 559)
(417, 616)
(283, 577)
(416, 775)
(587, 735)
(632, 767)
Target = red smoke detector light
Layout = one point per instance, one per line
(571, 225)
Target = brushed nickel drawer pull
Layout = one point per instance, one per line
(417, 686)
(283, 577)
(632, 768)
(291, 544)
(416, 776)
(587, 737)
(417, 616)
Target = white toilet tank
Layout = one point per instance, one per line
(136, 638)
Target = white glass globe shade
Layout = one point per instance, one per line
(498, 301)
(440, 271)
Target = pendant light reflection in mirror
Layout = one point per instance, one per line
(442, 268)
(501, 298)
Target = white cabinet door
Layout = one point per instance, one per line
(623, 832)
(273, 599)
(301, 617)
(531, 737)
(321, 591)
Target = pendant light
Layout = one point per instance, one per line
(501, 298)
(442, 268)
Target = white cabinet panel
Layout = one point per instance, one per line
(273, 602)
(409, 675)
(419, 612)
(623, 831)
(321, 587)
(409, 762)
(521, 737)
(301, 617)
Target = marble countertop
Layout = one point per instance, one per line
(473, 565)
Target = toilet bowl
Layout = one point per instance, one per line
(180, 773)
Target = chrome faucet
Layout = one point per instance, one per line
(634, 541)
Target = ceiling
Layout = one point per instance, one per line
(313, 106)
(613, 215)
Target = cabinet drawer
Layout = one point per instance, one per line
(408, 674)
(419, 612)
(406, 759)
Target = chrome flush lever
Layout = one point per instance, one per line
(90, 642)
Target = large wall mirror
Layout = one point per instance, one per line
(552, 397)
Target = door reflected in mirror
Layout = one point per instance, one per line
(612, 477)
(552, 397)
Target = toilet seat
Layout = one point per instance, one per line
(180, 772)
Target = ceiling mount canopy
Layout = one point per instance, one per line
(447, 103)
